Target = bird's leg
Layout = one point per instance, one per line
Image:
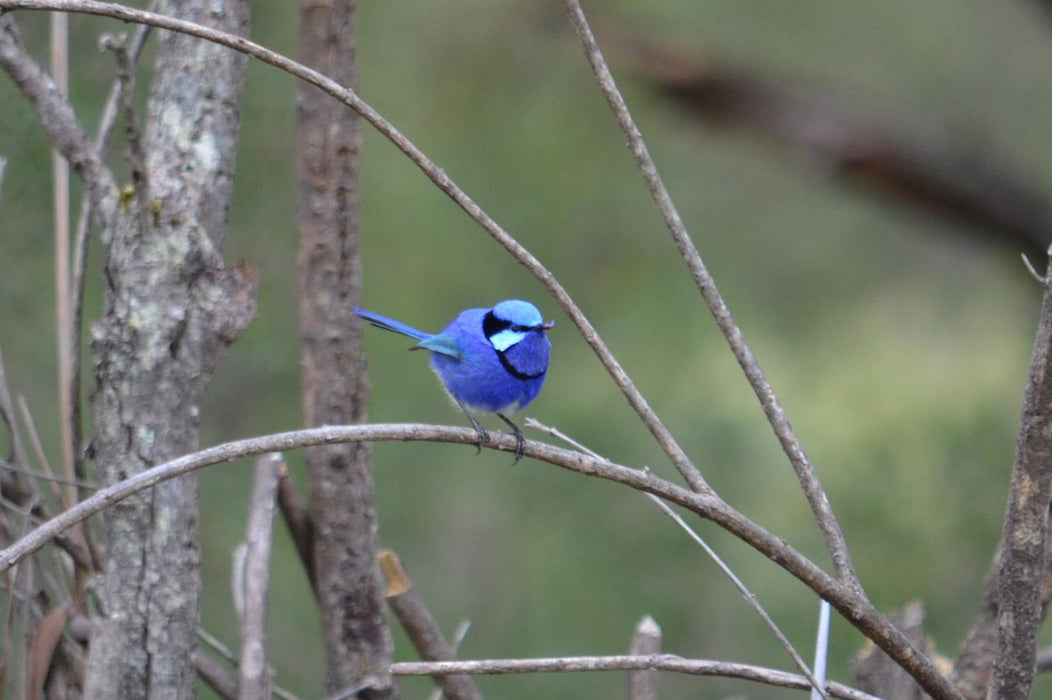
(479, 430)
(520, 439)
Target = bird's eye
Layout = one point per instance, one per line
(518, 329)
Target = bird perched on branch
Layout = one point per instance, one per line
(488, 360)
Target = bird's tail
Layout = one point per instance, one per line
(389, 324)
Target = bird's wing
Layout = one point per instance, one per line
(443, 344)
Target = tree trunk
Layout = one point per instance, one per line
(334, 382)
(171, 309)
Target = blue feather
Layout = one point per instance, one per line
(489, 360)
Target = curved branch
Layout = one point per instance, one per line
(850, 603)
(434, 173)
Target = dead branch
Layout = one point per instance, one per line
(421, 627)
(298, 520)
(254, 681)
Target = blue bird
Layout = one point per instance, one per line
(488, 360)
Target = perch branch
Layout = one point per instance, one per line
(791, 444)
(855, 608)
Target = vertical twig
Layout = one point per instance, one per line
(421, 627)
(60, 192)
(821, 647)
(253, 681)
(707, 286)
(646, 641)
(1024, 542)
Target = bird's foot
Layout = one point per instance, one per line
(520, 439)
(480, 433)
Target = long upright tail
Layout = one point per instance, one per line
(389, 324)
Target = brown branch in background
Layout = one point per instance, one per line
(646, 641)
(991, 197)
(421, 627)
(772, 408)
(588, 664)
(298, 520)
(334, 378)
(1025, 539)
(253, 680)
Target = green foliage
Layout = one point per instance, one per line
(897, 344)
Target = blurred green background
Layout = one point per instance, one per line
(897, 343)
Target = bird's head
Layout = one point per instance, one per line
(511, 321)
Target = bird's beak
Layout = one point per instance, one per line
(547, 326)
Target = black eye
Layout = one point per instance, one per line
(519, 329)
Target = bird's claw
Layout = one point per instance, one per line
(482, 436)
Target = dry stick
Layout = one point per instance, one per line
(707, 286)
(59, 26)
(750, 599)
(855, 608)
(38, 449)
(438, 176)
(253, 681)
(1024, 543)
(646, 641)
(7, 415)
(80, 252)
(420, 626)
(458, 637)
(660, 662)
(298, 520)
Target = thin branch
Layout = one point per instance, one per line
(434, 173)
(660, 662)
(253, 680)
(750, 599)
(38, 449)
(10, 421)
(420, 626)
(791, 445)
(855, 608)
(59, 57)
(1025, 540)
(646, 641)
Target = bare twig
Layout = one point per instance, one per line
(421, 627)
(750, 599)
(298, 520)
(38, 449)
(253, 681)
(660, 662)
(59, 25)
(1025, 541)
(855, 608)
(8, 417)
(646, 641)
(821, 648)
(707, 286)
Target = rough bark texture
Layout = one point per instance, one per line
(1024, 542)
(171, 308)
(335, 385)
(875, 672)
